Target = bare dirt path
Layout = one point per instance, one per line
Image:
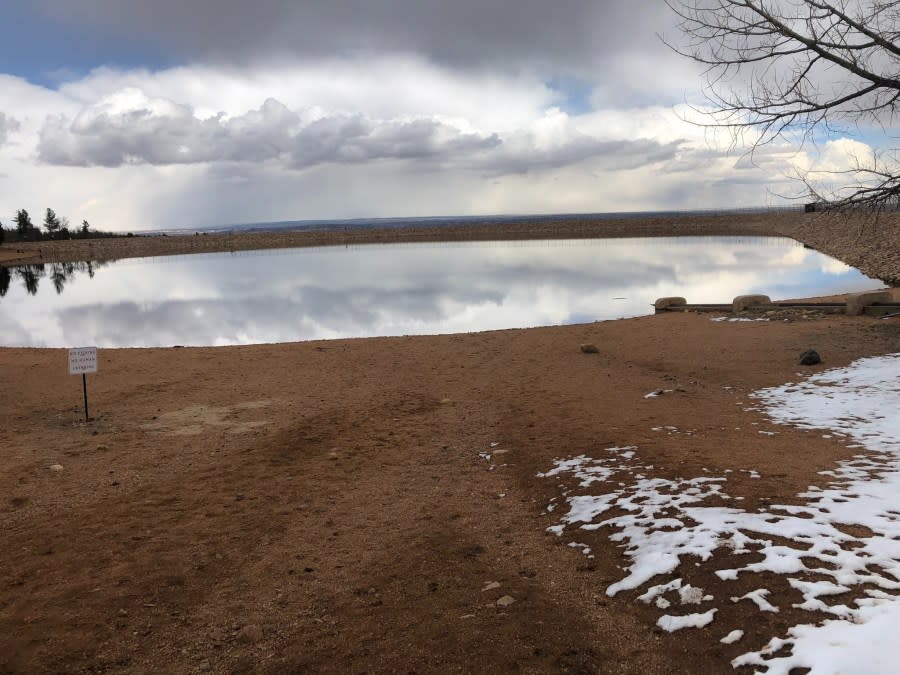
(331, 507)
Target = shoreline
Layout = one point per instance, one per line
(159, 245)
(870, 246)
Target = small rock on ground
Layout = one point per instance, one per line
(590, 349)
(810, 358)
(250, 634)
(505, 601)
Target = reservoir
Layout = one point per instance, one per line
(286, 295)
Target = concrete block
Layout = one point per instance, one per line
(742, 302)
(857, 302)
(665, 303)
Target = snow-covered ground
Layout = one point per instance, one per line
(660, 520)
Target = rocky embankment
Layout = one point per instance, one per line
(871, 244)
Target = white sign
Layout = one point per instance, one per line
(82, 360)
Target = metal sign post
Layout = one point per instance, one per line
(83, 360)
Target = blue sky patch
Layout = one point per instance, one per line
(49, 53)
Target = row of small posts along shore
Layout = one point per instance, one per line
(870, 303)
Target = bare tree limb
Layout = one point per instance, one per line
(792, 68)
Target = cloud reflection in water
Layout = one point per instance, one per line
(300, 294)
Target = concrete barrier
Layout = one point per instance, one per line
(742, 302)
(857, 302)
(665, 303)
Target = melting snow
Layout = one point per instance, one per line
(736, 319)
(733, 636)
(659, 521)
(759, 598)
(672, 623)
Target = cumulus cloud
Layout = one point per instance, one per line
(8, 125)
(556, 140)
(129, 127)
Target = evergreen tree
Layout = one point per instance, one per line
(31, 275)
(2, 233)
(51, 222)
(24, 226)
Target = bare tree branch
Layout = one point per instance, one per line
(795, 68)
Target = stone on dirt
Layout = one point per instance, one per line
(665, 303)
(505, 601)
(250, 634)
(743, 302)
(857, 302)
(810, 358)
(590, 348)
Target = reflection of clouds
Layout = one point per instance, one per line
(286, 295)
(14, 334)
(603, 273)
(316, 313)
(832, 266)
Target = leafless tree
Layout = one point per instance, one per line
(801, 70)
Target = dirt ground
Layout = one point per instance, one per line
(326, 506)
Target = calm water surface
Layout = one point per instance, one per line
(403, 289)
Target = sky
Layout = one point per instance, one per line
(197, 113)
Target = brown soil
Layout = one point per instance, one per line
(323, 506)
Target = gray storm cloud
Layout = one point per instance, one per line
(575, 33)
(8, 125)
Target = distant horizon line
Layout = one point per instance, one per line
(438, 221)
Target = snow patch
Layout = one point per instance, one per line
(846, 534)
(735, 319)
(733, 636)
(671, 623)
(759, 598)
